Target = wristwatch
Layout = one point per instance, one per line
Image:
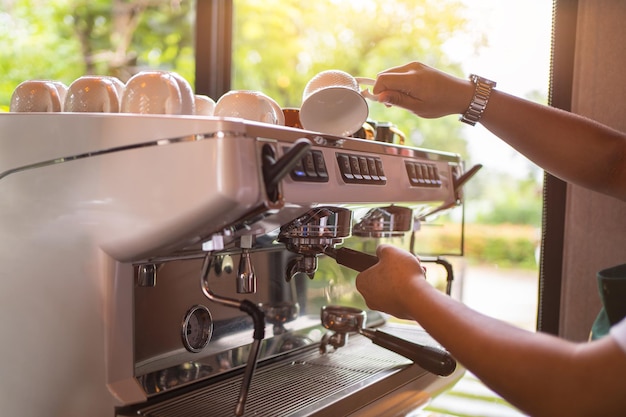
(477, 106)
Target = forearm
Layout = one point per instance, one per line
(538, 373)
(571, 147)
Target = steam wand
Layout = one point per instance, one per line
(259, 330)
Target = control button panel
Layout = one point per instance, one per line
(311, 168)
(361, 169)
(423, 174)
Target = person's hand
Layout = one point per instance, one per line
(387, 286)
(425, 91)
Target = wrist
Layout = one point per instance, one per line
(480, 98)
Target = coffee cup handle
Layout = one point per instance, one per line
(366, 92)
(401, 135)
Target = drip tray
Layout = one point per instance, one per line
(335, 384)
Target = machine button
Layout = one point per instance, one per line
(355, 167)
(371, 164)
(364, 168)
(429, 175)
(309, 165)
(435, 176)
(422, 174)
(320, 165)
(380, 170)
(344, 167)
(297, 173)
(412, 171)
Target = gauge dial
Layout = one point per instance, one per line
(197, 328)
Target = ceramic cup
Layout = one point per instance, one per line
(292, 117)
(367, 131)
(187, 96)
(280, 117)
(38, 96)
(119, 86)
(249, 105)
(152, 92)
(205, 105)
(92, 94)
(387, 132)
(332, 103)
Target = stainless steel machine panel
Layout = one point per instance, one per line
(129, 239)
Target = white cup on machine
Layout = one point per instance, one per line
(152, 92)
(332, 103)
(38, 96)
(205, 105)
(187, 96)
(249, 105)
(280, 117)
(94, 94)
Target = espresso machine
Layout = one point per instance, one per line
(197, 266)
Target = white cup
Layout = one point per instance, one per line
(119, 86)
(249, 105)
(152, 92)
(92, 94)
(205, 105)
(187, 95)
(38, 96)
(280, 117)
(332, 103)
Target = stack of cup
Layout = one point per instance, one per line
(250, 105)
(94, 94)
(158, 92)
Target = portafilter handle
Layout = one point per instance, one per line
(353, 259)
(432, 359)
(343, 320)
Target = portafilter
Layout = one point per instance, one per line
(343, 320)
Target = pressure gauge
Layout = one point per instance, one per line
(197, 328)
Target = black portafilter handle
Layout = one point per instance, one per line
(353, 259)
(433, 359)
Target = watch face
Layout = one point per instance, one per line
(197, 328)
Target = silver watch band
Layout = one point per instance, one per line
(479, 102)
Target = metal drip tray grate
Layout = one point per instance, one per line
(299, 387)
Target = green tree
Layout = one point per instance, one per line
(64, 39)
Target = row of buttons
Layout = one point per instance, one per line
(425, 175)
(361, 169)
(310, 168)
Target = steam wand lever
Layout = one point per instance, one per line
(275, 170)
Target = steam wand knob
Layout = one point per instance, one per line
(275, 170)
